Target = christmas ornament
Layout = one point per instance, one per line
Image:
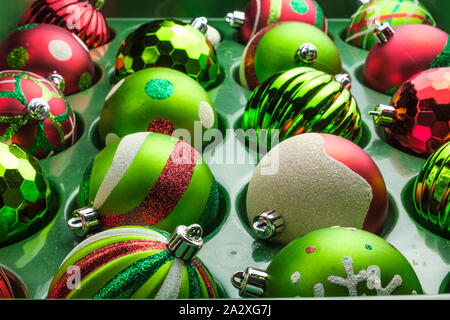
(158, 100)
(397, 12)
(34, 114)
(312, 181)
(402, 53)
(431, 192)
(332, 262)
(26, 198)
(419, 113)
(147, 179)
(261, 13)
(45, 49)
(300, 100)
(81, 17)
(285, 45)
(10, 286)
(172, 44)
(135, 263)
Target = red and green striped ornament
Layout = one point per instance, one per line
(149, 179)
(42, 135)
(396, 12)
(134, 263)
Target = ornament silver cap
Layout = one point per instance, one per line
(360, 3)
(185, 241)
(235, 19)
(38, 109)
(201, 24)
(383, 32)
(251, 282)
(85, 220)
(344, 78)
(267, 224)
(307, 53)
(383, 115)
(57, 80)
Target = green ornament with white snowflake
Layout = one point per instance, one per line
(332, 262)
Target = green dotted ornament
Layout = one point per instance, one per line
(17, 58)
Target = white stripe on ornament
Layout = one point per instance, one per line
(172, 283)
(127, 150)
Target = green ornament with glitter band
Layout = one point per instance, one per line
(134, 263)
(286, 45)
(172, 44)
(158, 100)
(332, 262)
(397, 12)
(26, 202)
(147, 179)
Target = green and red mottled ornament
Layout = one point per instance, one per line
(10, 286)
(34, 114)
(45, 49)
(82, 17)
(286, 45)
(149, 179)
(158, 100)
(431, 193)
(301, 100)
(26, 200)
(403, 53)
(258, 14)
(135, 263)
(418, 117)
(171, 44)
(332, 262)
(397, 12)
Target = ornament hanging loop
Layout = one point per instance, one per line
(307, 53)
(383, 115)
(185, 242)
(235, 19)
(38, 109)
(85, 220)
(251, 282)
(383, 32)
(267, 224)
(201, 24)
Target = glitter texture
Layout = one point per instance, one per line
(443, 59)
(295, 277)
(83, 193)
(299, 6)
(319, 290)
(206, 277)
(209, 216)
(310, 249)
(352, 280)
(159, 89)
(85, 81)
(26, 27)
(194, 281)
(17, 58)
(161, 125)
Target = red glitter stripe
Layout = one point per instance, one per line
(206, 279)
(102, 256)
(388, 17)
(165, 193)
(5, 286)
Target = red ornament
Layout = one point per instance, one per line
(82, 17)
(258, 14)
(10, 286)
(401, 54)
(34, 114)
(419, 116)
(44, 49)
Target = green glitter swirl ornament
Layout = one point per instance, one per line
(171, 44)
(432, 193)
(26, 202)
(136, 263)
(302, 100)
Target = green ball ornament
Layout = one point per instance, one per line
(147, 179)
(26, 202)
(301, 100)
(332, 262)
(158, 100)
(431, 193)
(359, 33)
(172, 44)
(286, 45)
(135, 263)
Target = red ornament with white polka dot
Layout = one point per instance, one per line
(45, 49)
(418, 118)
(34, 114)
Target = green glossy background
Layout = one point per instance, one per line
(230, 247)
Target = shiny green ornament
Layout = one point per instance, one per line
(159, 100)
(332, 262)
(431, 193)
(26, 198)
(302, 100)
(172, 44)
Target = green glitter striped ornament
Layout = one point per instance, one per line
(136, 263)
